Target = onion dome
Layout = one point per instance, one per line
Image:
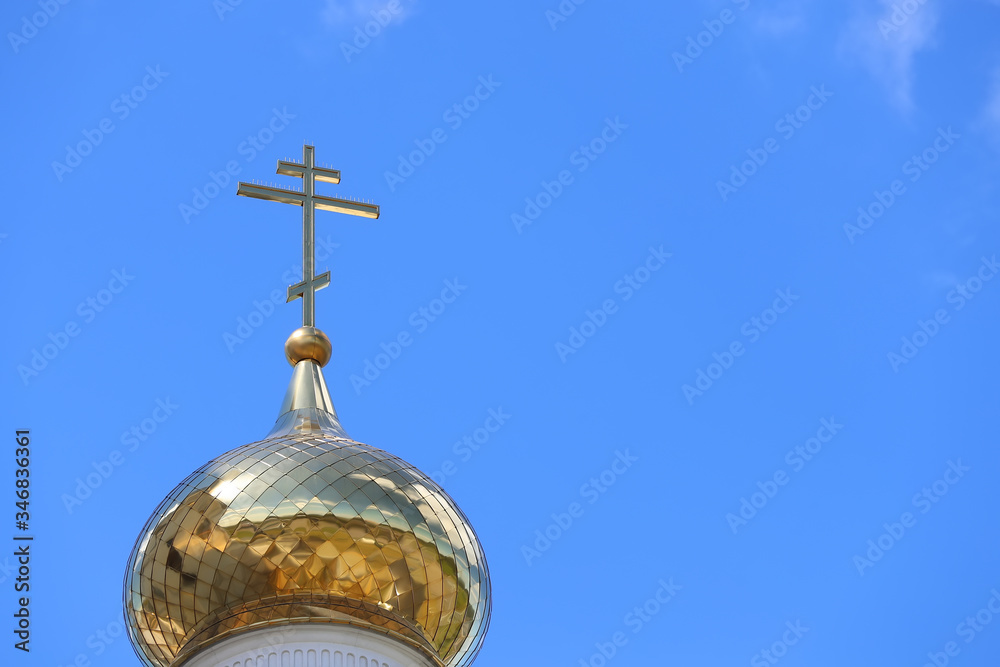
(307, 526)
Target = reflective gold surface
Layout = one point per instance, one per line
(306, 526)
(308, 343)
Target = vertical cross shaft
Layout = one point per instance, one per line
(309, 201)
(308, 292)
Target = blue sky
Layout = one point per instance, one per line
(727, 267)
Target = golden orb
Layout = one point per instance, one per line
(308, 343)
(306, 526)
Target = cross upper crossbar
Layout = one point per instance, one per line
(286, 168)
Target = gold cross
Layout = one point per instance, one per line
(310, 202)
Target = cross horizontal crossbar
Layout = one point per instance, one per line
(323, 174)
(321, 202)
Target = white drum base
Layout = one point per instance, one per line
(310, 645)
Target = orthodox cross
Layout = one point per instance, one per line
(310, 202)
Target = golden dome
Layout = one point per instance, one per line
(307, 526)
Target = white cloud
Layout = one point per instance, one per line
(776, 25)
(888, 43)
(354, 12)
(782, 17)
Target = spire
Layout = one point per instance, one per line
(307, 405)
